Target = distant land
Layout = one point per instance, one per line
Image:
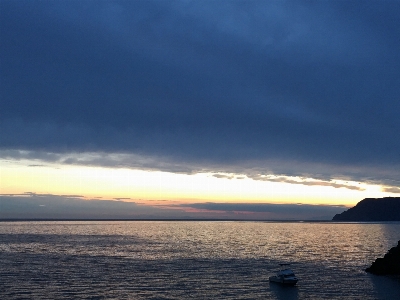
(372, 210)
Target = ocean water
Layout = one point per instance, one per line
(196, 260)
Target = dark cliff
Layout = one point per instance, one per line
(372, 210)
(388, 265)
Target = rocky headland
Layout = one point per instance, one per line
(388, 265)
(372, 210)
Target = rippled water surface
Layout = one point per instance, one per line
(197, 260)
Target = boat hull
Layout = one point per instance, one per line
(283, 281)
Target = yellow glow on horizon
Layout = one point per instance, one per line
(145, 186)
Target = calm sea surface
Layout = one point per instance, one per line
(197, 260)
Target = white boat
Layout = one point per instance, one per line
(285, 276)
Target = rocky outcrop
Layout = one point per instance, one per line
(388, 265)
(372, 210)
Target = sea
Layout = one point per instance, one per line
(193, 259)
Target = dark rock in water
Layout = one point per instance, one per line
(388, 265)
(372, 210)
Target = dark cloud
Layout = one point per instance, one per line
(290, 88)
(322, 174)
(48, 206)
(391, 190)
(274, 211)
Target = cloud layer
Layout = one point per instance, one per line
(48, 206)
(249, 87)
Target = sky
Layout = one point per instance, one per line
(197, 109)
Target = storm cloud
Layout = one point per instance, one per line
(293, 88)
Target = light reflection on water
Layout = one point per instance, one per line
(201, 260)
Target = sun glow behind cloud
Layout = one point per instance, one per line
(155, 186)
